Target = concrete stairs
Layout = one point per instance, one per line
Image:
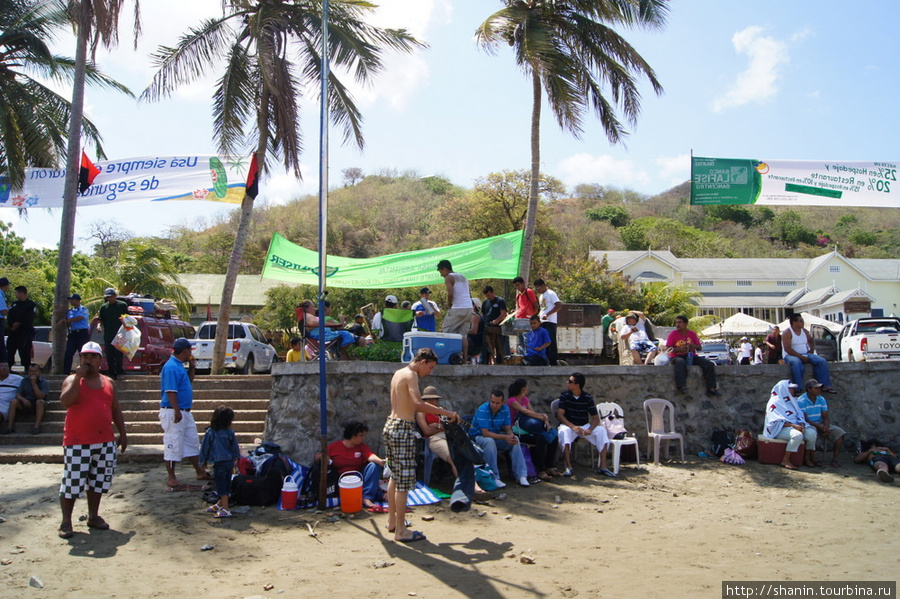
(247, 395)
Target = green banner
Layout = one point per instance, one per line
(491, 258)
(724, 181)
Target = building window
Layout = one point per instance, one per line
(834, 268)
(767, 315)
(706, 311)
(744, 283)
(704, 283)
(786, 283)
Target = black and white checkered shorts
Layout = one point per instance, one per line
(91, 466)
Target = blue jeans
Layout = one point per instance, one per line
(371, 477)
(820, 369)
(464, 487)
(492, 447)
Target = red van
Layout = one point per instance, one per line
(159, 330)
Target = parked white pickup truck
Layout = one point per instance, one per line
(247, 350)
(870, 339)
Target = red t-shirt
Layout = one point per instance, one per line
(346, 459)
(525, 304)
(89, 420)
(677, 339)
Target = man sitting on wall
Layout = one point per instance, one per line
(684, 344)
(797, 351)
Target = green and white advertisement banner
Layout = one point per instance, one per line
(144, 179)
(794, 182)
(491, 258)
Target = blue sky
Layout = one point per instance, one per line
(806, 79)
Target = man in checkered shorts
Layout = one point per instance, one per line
(400, 438)
(89, 445)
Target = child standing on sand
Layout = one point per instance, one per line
(220, 447)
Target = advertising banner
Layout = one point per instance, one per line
(491, 258)
(146, 179)
(794, 182)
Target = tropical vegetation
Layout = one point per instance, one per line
(272, 52)
(572, 54)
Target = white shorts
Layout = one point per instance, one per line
(596, 437)
(180, 439)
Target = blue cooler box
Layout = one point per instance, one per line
(445, 345)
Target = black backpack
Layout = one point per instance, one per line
(265, 487)
(720, 441)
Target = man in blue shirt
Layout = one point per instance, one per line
(492, 431)
(4, 309)
(426, 311)
(536, 344)
(79, 321)
(180, 439)
(815, 410)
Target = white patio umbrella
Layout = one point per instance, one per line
(737, 325)
(808, 319)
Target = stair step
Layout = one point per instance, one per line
(54, 439)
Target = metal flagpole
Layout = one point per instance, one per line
(323, 213)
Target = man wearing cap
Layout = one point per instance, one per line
(4, 309)
(426, 311)
(111, 313)
(21, 328)
(180, 439)
(89, 445)
(815, 410)
(390, 301)
(745, 353)
(78, 320)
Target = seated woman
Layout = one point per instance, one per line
(351, 454)
(333, 328)
(638, 341)
(535, 429)
(433, 429)
(882, 460)
(784, 420)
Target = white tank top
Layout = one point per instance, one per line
(461, 296)
(799, 343)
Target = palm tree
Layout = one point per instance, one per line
(33, 118)
(142, 268)
(95, 21)
(571, 52)
(271, 54)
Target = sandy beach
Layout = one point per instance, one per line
(674, 530)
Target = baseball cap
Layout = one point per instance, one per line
(813, 383)
(391, 298)
(75, 296)
(610, 310)
(92, 347)
(4, 281)
(109, 291)
(793, 386)
(180, 345)
(424, 290)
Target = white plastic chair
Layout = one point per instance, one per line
(554, 409)
(605, 409)
(657, 429)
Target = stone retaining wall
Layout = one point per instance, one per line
(867, 403)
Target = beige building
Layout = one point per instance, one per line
(830, 286)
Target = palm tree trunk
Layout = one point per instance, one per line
(70, 196)
(531, 217)
(234, 264)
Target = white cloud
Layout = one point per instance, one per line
(649, 176)
(758, 82)
(281, 188)
(604, 169)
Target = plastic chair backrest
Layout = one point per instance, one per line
(554, 408)
(654, 411)
(604, 409)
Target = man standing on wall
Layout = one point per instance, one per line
(459, 317)
(549, 306)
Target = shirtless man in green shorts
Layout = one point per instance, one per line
(400, 438)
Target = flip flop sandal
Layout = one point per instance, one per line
(65, 531)
(406, 523)
(222, 514)
(98, 523)
(417, 536)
